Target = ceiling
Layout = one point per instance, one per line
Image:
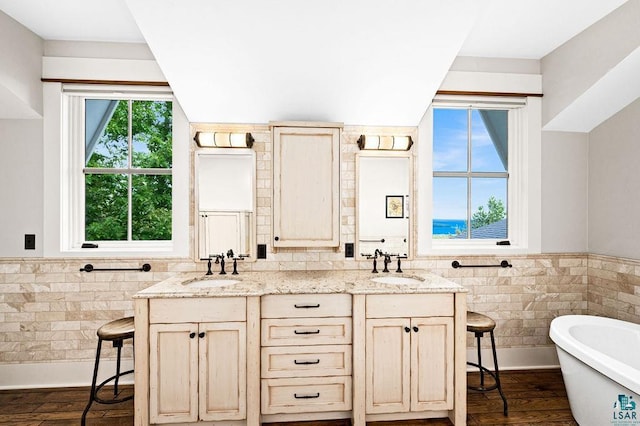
(369, 62)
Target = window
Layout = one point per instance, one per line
(470, 173)
(119, 192)
(127, 170)
(479, 174)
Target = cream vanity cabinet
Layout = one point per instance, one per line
(306, 184)
(197, 360)
(410, 357)
(306, 356)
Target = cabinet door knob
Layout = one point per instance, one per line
(407, 329)
(201, 334)
(415, 329)
(277, 238)
(192, 335)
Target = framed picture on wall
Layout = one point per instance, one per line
(395, 207)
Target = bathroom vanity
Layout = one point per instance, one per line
(300, 345)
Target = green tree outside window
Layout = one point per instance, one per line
(129, 163)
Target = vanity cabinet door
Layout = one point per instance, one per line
(173, 367)
(409, 364)
(198, 372)
(306, 187)
(388, 363)
(431, 363)
(222, 361)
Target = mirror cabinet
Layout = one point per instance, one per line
(384, 203)
(225, 188)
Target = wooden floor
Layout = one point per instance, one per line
(535, 397)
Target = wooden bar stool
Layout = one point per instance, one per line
(116, 331)
(480, 324)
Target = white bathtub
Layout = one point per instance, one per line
(600, 362)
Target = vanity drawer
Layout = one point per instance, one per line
(306, 361)
(306, 395)
(198, 309)
(409, 305)
(306, 305)
(305, 331)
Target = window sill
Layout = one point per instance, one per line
(475, 249)
(163, 250)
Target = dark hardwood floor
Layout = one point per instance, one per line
(535, 397)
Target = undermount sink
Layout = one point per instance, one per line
(209, 283)
(396, 280)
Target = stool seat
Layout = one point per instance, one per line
(478, 323)
(121, 328)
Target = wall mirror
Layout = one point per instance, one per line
(225, 185)
(384, 182)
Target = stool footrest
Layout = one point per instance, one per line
(490, 373)
(114, 400)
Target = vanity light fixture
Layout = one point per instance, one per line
(223, 140)
(385, 143)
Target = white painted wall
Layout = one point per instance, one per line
(565, 165)
(21, 191)
(595, 58)
(614, 185)
(21, 53)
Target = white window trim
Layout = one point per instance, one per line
(524, 209)
(64, 177)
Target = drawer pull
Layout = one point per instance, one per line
(306, 332)
(296, 396)
(296, 362)
(317, 305)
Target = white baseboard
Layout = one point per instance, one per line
(69, 374)
(517, 358)
(59, 374)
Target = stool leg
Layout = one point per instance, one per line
(497, 372)
(93, 384)
(117, 344)
(478, 336)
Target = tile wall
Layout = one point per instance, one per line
(50, 311)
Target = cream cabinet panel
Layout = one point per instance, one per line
(222, 357)
(306, 185)
(388, 363)
(431, 364)
(409, 360)
(305, 305)
(306, 395)
(306, 331)
(197, 372)
(306, 361)
(173, 382)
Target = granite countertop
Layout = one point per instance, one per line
(194, 284)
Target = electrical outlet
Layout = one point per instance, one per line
(262, 251)
(348, 249)
(29, 241)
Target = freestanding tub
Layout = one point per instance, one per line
(600, 363)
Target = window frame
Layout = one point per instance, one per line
(523, 187)
(72, 164)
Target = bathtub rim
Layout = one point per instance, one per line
(617, 371)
